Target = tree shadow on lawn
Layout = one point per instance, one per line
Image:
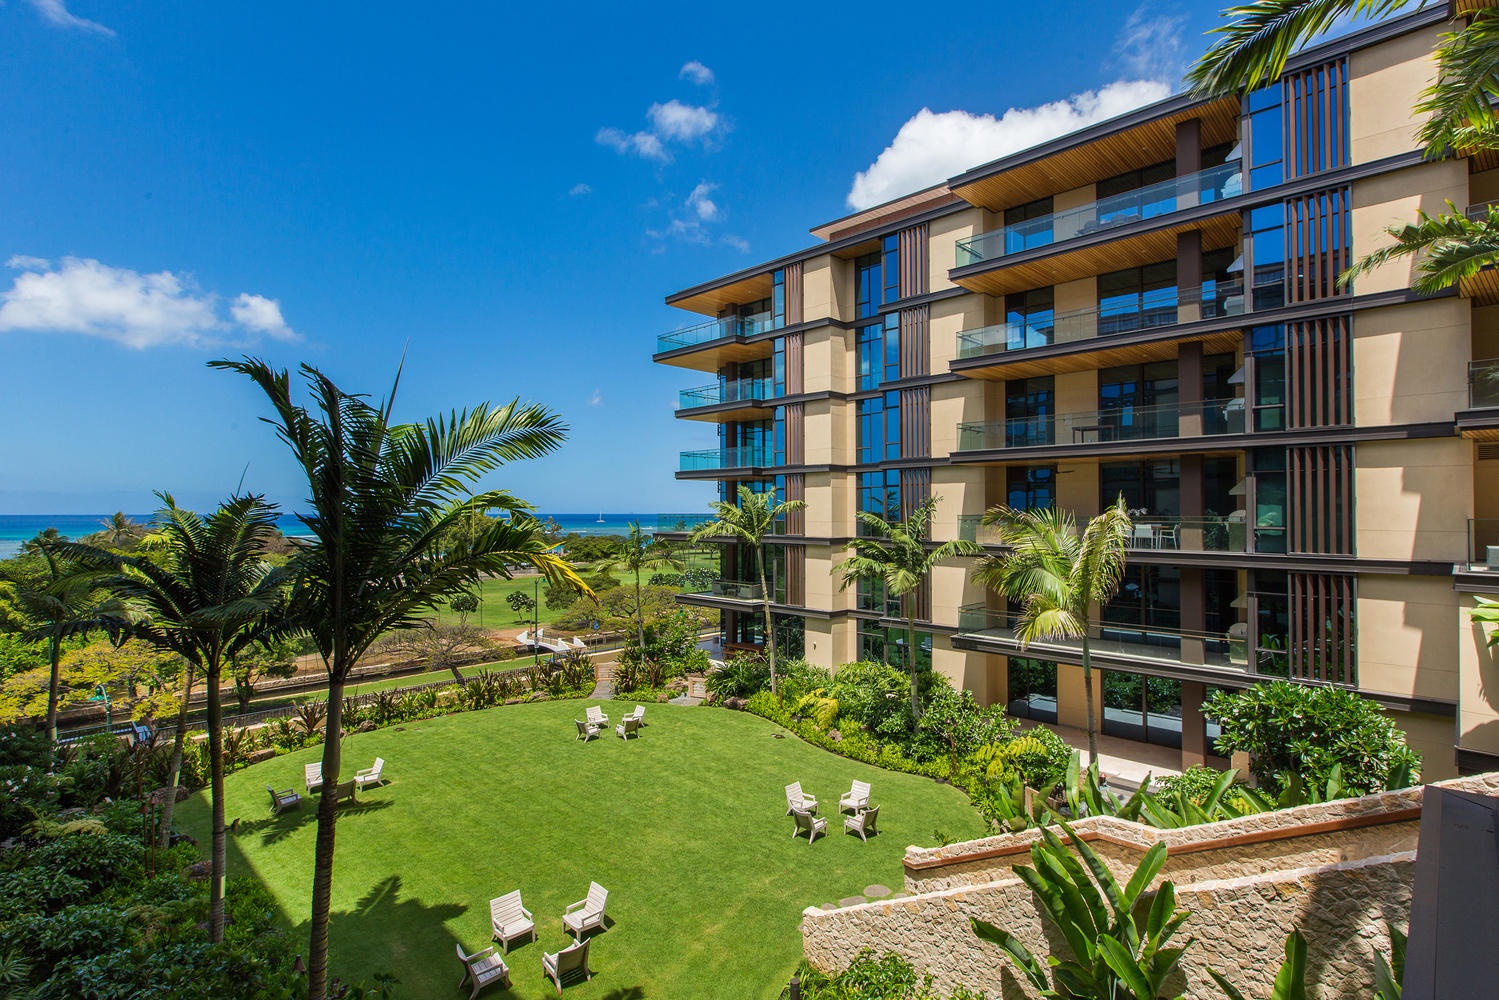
(384, 931)
(274, 829)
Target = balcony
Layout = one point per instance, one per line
(1483, 545)
(1124, 423)
(712, 459)
(719, 329)
(1119, 641)
(1483, 384)
(1154, 310)
(734, 590)
(680, 524)
(1151, 533)
(744, 390)
(1151, 201)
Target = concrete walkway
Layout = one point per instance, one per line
(1126, 763)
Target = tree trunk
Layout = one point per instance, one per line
(770, 625)
(1088, 700)
(327, 817)
(174, 769)
(216, 783)
(54, 651)
(639, 618)
(911, 659)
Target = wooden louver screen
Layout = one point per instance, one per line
(1320, 500)
(793, 294)
(796, 574)
(796, 489)
(795, 365)
(1319, 373)
(1317, 245)
(913, 261)
(916, 422)
(1316, 119)
(795, 434)
(1323, 635)
(915, 341)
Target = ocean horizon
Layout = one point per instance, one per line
(18, 528)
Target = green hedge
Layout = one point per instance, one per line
(854, 745)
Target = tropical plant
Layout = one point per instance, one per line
(205, 595)
(463, 605)
(521, 604)
(741, 676)
(1486, 612)
(1058, 576)
(749, 522)
(639, 552)
(1390, 975)
(1290, 978)
(275, 656)
(381, 497)
(1114, 954)
(895, 555)
(871, 977)
(960, 725)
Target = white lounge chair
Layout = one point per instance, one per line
(862, 822)
(855, 798)
(370, 775)
(569, 962)
(586, 730)
(283, 800)
(483, 967)
(596, 715)
(629, 727)
(314, 775)
(586, 914)
(638, 715)
(806, 821)
(510, 919)
(797, 800)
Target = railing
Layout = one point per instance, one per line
(1122, 423)
(737, 590)
(1174, 195)
(680, 523)
(718, 329)
(726, 458)
(1479, 212)
(1129, 639)
(971, 528)
(1152, 310)
(1483, 384)
(1150, 532)
(1483, 541)
(736, 391)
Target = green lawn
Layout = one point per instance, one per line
(685, 827)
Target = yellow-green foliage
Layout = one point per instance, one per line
(819, 707)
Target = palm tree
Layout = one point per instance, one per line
(118, 529)
(897, 557)
(382, 500)
(641, 551)
(210, 595)
(749, 521)
(1057, 576)
(57, 605)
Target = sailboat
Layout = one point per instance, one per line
(601, 518)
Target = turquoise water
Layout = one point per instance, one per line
(17, 528)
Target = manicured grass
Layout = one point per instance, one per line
(685, 827)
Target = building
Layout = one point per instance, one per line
(1148, 308)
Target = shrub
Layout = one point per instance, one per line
(874, 696)
(887, 977)
(1039, 756)
(743, 676)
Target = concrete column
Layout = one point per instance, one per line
(1194, 728)
(1193, 615)
(1189, 535)
(1189, 277)
(1189, 388)
(1188, 160)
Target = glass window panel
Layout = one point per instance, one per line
(1032, 690)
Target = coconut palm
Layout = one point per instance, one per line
(382, 500)
(640, 552)
(896, 556)
(1057, 576)
(748, 522)
(1450, 248)
(207, 595)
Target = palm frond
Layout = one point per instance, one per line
(1449, 248)
(1460, 102)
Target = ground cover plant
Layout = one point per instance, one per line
(686, 827)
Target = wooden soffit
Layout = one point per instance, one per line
(712, 416)
(1483, 287)
(713, 355)
(1103, 355)
(714, 300)
(1100, 258)
(1108, 155)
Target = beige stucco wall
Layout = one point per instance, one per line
(830, 643)
(954, 403)
(1076, 392)
(942, 234)
(1478, 685)
(1431, 736)
(1410, 362)
(819, 298)
(949, 317)
(1072, 698)
(1077, 488)
(1412, 499)
(830, 503)
(829, 432)
(1393, 199)
(1384, 81)
(1406, 643)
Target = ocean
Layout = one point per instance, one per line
(17, 528)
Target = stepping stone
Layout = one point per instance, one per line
(852, 901)
(900, 895)
(876, 891)
(828, 906)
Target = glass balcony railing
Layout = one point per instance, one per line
(971, 528)
(737, 590)
(1151, 201)
(736, 391)
(1483, 384)
(1161, 643)
(680, 523)
(1122, 423)
(718, 329)
(725, 458)
(1153, 310)
(1182, 534)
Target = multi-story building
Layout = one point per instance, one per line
(1146, 308)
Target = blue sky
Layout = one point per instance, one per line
(504, 194)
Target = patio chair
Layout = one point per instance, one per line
(1142, 536)
(629, 727)
(371, 775)
(855, 798)
(638, 715)
(596, 716)
(586, 730)
(314, 775)
(283, 800)
(806, 821)
(483, 967)
(862, 822)
(586, 914)
(566, 964)
(796, 799)
(510, 919)
(344, 791)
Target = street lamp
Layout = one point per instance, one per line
(536, 621)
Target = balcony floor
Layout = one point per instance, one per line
(1071, 649)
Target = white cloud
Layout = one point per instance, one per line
(643, 144)
(737, 242)
(597, 399)
(931, 147)
(56, 12)
(682, 122)
(580, 189)
(1151, 46)
(699, 202)
(697, 73)
(83, 296)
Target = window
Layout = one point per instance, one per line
(867, 285)
(1028, 225)
(1137, 298)
(891, 265)
(1029, 318)
(1269, 499)
(1266, 138)
(1267, 250)
(1117, 203)
(1267, 346)
(878, 643)
(1029, 413)
(873, 597)
(1137, 707)
(1138, 401)
(1272, 625)
(778, 299)
(1031, 487)
(879, 428)
(778, 367)
(1153, 486)
(1221, 413)
(1032, 689)
(879, 493)
(879, 352)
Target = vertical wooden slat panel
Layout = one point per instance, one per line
(913, 261)
(794, 308)
(796, 574)
(916, 422)
(915, 341)
(796, 489)
(795, 434)
(795, 364)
